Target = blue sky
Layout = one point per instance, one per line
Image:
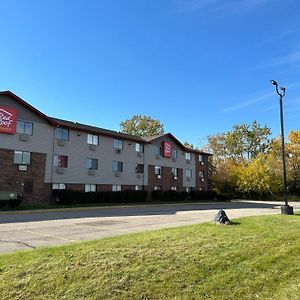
(199, 66)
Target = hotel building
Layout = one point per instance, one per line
(39, 154)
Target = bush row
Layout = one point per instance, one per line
(76, 197)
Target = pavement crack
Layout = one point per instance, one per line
(18, 242)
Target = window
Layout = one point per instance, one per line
(24, 127)
(157, 188)
(60, 161)
(90, 188)
(22, 158)
(175, 172)
(157, 170)
(201, 189)
(93, 139)
(201, 158)
(201, 174)
(157, 150)
(188, 173)
(139, 168)
(139, 147)
(58, 186)
(117, 166)
(138, 188)
(116, 188)
(188, 156)
(118, 144)
(174, 153)
(62, 134)
(173, 188)
(91, 164)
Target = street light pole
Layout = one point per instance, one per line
(286, 209)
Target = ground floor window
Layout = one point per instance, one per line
(138, 187)
(22, 158)
(58, 186)
(116, 188)
(187, 189)
(157, 188)
(90, 188)
(173, 188)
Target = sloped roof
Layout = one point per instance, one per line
(171, 136)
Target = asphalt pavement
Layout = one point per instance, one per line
(32, 229)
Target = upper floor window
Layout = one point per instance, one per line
(188, 156)
(118, 144)
(60, 161)
(116, 188)
(188, 173)
(139, 168)
(139, 147)
(90, 188)
(201, 174)
(174, 153)
(117, 166)
(157, 150)
(157, 170)
(175, 171)
(93, 139)
(201, 158)
(62, 134)
(24, 127)
(91, 164)
(22, 158)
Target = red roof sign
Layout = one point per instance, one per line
(8, 120)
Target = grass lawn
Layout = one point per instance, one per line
(256, 259)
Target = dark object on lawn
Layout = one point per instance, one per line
(221, 218)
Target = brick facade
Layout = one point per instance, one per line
(201, 184)
(167, 179)
(28, 183)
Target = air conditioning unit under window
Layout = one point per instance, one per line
(93, 147)
(188, 179)
(202, 163)
(118, 151)
(117, 174)
(91, 172)
(188, 161)
(158, 156)
(60, 170)
(61, 143)
(139, 154)
(159, 176)
(175, 177)
(24, 137)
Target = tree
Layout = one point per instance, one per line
(260, 177)
(143, 126)
(243, 142)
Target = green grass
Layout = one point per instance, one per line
(256, 259)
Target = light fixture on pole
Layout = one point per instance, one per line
(285, 209)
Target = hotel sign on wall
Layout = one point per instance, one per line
(8, 120)
(166, 149)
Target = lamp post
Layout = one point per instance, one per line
(285, 209)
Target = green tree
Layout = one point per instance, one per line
(143, 126)
(243, 142)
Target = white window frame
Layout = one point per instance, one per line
(118, 144)
(157, 170)
(25, 157)
(24, 131)
(174, 188)
(190, 173)
(90, 188)
(92, 167)
(139, 147)
(138, 188)
(187, 155)
(92, 139)
(119, 165)
(201, 158)
(58, 186)
(174, 171)
(157, 188)
(116, 188)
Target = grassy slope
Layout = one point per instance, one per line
(259, 258)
